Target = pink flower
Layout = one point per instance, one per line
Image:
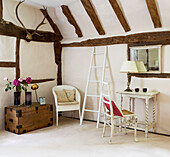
(28, 80)
(16, 82)
(5, 78)
(20, 79)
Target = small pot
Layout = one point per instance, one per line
(136, 89)
(145, 90)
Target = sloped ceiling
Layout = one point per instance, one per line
(135, 12)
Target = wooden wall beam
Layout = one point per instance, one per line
(42, 80)
(149, 38)
(151, 4)
(120, 15)
(58, 55)
(1, 10)
(51, 22)
(7, 64)
(93, 16)
(150, 75)
(17, 59)
(71, 19)
(9, 29)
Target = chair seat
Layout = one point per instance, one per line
(68, 103)
(125, 113)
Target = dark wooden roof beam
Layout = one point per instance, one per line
(120, 15)
(93, 16)
(151, 4)
(71, 19)
(52, 24)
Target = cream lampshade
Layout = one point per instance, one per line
(140, 66)
(132, 67)
(129, 66)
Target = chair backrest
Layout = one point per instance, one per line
(107, 100)
(65, 87)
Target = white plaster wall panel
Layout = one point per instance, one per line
(163, 7)
(137, 15)
(108, 17)
(6, 98)
(165, 59)
(30, 16)
(37, 60)
(7, 53)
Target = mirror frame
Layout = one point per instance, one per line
(149, 47)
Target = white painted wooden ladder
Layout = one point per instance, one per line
(89, 80)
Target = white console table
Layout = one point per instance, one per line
(146, 96)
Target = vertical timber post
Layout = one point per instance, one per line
(58, 55)
(17, 58)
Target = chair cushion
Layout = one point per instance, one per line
(68, 103)
(116, 109)
(70, 95)
(61, 96)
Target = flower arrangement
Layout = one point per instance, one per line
(17, 84)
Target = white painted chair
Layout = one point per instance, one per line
(116, 116)
(66, 106)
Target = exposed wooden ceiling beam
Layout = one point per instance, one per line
(1, 10)
(149, 38)
(93, 16)
(120, 15)
(71, 19)
(52, 24)
(9, 29)
(151, 4)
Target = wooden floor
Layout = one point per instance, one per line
(72, 140)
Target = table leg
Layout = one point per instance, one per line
(121, 101)
(146, 116)
(154, 113)
(130, 103)
(133, 104)
(121, 104)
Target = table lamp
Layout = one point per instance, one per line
(132, 67)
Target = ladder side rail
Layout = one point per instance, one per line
(103, 74)
(87, 84)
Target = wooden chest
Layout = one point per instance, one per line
(22, 119)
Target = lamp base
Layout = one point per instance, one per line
(128, 90)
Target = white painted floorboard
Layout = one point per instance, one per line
(72, 140)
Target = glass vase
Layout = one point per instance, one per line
(28, 99)
(17, 96)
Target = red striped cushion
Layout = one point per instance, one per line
(116, 110)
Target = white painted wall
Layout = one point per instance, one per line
(36, 59)
(78, 59)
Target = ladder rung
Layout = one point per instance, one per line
(98, 81)
(98, 53)
(99, 67)
(90, 110)
(106, 95)
(93, 95)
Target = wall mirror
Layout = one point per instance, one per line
(150, 55)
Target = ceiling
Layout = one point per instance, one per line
(49, 3)
(135, 12)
